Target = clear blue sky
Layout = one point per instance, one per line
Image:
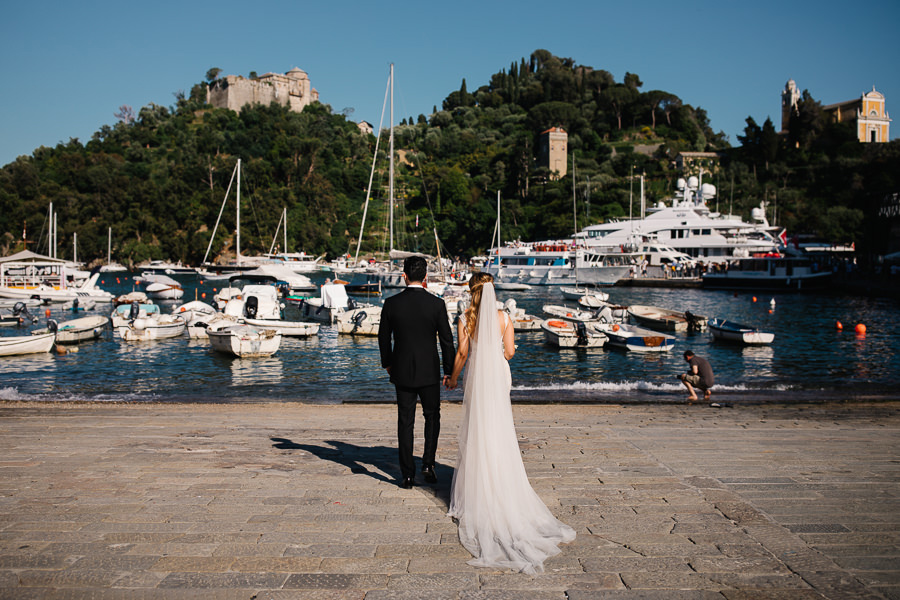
(68, 66)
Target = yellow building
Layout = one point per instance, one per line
(868, 113)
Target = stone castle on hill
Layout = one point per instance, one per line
(291, 89)
(867, 113)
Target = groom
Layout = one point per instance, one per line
(413, 318)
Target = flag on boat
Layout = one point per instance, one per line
(783, 237)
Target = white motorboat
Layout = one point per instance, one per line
(199, 326)
(566, 334)
(162, 267)
(27, 344)
(277, 274)
(362, 322)
(160, 287)
(260, 306)
(27, 275)
(152, 327)
(735, 332)
(123, 313)
(665, 319)
(521, 320)
(245, 341)
(636, 339)
(566, 313)
(76, 330)
(332, 303)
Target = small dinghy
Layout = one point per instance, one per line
(76, 330)
(735, 332)
(664, 319)
(245, 341)
(27, 344)
(636, 339)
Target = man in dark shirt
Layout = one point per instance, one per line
(699, 375)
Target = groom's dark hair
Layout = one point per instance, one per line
(415, 268)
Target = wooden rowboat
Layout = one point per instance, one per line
(665, 319)
(27, 344)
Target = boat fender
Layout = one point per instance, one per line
(615, 327)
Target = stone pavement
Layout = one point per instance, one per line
(276, 501)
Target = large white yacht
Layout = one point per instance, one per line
(688, 225)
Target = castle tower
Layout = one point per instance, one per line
(789, 99)
(553, 152)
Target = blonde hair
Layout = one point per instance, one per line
(476, 283)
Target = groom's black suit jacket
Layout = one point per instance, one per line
(413, 318)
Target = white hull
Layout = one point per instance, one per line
(81, 330)
(665, 319)
(245, 341)
(362, 322)
(285, 328)
(152, 328)
(742, 334)
(637, 339)
(161, 291)
(567, 335)
(26, 344)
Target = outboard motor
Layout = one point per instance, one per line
(52, 325)
(135, 311)
(251, 306)
(21, 311)
(75, 305)
(581, 332)
(358, 319)
(693, 322)
(604, 315)
(350, 304)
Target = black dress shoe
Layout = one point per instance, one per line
(407, 483)
(428, 472)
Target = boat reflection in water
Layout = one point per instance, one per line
(261, 371)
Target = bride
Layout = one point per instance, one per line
(501, 520)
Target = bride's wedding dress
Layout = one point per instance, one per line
(502, 521)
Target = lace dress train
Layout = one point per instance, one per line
(502, 521)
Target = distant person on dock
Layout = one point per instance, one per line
(699, 375)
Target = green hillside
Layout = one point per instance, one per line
(159, 180)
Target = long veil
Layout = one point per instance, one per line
(502, 521)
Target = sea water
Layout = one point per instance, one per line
(810, 359)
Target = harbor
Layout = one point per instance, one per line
(808, 356)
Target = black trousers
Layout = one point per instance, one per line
(430, 395)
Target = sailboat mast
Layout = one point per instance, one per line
(391, 154)
(109, 247)
(239, 212)
(285, 230)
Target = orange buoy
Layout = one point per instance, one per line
(615, 327)
(839, 325)
(860, 329)
(771, 311)
(101, 281)
(203, 295)
(117, 280)
(754, 298)
(47, 313)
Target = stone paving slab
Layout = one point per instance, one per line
(277, 501)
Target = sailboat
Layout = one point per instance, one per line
(241, 263)
(385, 273)
(110, 266)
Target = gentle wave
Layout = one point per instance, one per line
(11, 394)
(642, 386)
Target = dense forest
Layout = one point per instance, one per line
(158, 177)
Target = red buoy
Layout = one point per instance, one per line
(860, 329)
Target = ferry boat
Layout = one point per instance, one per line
(773, 272)
(689, 226)
(555, 263)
